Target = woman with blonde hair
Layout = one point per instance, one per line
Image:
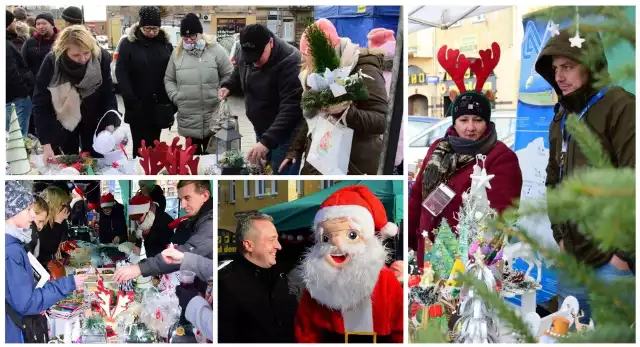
(41, 209)
(194, 73)
(55, 228)
(73, 91)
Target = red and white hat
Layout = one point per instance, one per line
(107, 200)
(139, 204)
(362, 206)
(78, 191)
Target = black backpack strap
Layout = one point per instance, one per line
(13, 315)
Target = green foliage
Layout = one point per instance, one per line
(607, 333)
(94, 325)
(429, 333)
(319, 99)
(322, 52)
(233, 158)
(444, 251)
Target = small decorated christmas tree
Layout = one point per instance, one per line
(17, 157)
(443, 253)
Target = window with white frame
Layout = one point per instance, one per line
(325, 184)
(232, 192)
(478, 19)
(274, 187)
(247, 193)
(260, 188)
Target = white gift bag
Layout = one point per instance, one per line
(331, 145)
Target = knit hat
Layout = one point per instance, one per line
(327, 28)
(150, 16)
(362, 206)
(107, 200)
(471, 103)
(10, 18)
(253, 39)
(20, 13)
(73, 15)
(139, 204)
(190, 25)
(46, 16)
(380, 36)
(16, 198)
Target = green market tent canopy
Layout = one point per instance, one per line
(299, 214)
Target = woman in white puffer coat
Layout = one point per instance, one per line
(196, 69)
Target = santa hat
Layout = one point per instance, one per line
(78, 191)
(107, 200)
(139, 204)
(362, 206)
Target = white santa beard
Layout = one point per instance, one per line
(342, 288)
(146, 224)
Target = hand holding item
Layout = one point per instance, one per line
(223, 93)
(257, 152)
(116, 240)
(172, 256)
(79, 279)
(127, 273)
(48, 153)
(397, 267)
(285, 163)
(336, 110)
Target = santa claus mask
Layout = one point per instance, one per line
(145, 224)
(342, 268)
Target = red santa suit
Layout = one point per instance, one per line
(381, 314)
(377, 318)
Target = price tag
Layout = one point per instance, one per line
(362, 8)
(436, 202)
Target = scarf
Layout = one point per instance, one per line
(195, 49)
(23, 235)
(144, 228)
(71, 82)
(453, 153)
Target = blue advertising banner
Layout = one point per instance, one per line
(536, 101)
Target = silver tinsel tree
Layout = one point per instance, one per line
(478, 323)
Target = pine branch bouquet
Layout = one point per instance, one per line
(330, 84)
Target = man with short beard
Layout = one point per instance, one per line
(152, 224)
(350, 295)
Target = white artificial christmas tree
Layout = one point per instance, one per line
(17, 157)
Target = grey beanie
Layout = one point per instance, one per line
(16, 198)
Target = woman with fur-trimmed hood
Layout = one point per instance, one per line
(192, 79)
(140, 68)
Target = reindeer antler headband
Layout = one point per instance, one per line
(456, 64)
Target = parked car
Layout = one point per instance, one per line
(419, 143)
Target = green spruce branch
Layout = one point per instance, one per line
(322, 52)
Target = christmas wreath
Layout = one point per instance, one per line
(330, 84)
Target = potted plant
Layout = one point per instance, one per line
(232, 163)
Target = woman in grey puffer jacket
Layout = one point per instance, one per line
(192, 79)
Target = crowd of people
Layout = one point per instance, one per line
(63, 78)
(610, 114)
(39, 223)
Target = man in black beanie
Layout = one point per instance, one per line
(272, 92)
(72, 16)
(39, 45)
(19, 81)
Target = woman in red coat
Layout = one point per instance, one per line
(450, 160)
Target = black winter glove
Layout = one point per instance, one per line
(185, 295)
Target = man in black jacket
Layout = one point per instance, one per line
(267, 72)
(39, 45)
(112, 224)
(255, 305)
(19, 81)
(195, 198)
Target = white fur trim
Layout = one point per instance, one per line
(107, 204)
(389, 230)
(359, 214)
(139, 209)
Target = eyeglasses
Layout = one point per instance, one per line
(151, 29)
(190, 37)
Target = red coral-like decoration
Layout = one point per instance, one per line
(179, 161)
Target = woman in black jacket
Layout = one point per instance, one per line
(112, 224)
(55, 229)
(73, 91)
(142, 60)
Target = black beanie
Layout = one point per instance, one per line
(150, 16)
(190, 25)
(10, 18)
(72, 15)
(471, 103)
(46, 16)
